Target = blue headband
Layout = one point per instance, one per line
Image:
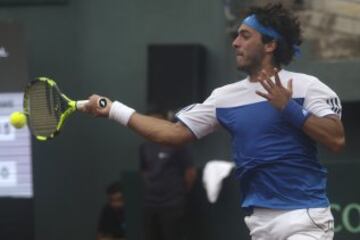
(252, 22)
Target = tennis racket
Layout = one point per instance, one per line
(47, 108)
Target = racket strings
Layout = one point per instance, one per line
(45, 108)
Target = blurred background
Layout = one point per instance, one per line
(142, 52)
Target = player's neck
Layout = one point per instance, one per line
(269, 69)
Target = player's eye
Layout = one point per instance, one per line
(245, 35)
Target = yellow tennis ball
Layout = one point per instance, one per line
(18, 119)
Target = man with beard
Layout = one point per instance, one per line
(275, 118)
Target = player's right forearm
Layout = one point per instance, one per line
(153, 129)
(160, 131)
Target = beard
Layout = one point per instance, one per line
(251, 63)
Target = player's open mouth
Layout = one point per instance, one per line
(239, 54)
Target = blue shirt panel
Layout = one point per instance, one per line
(276, 163)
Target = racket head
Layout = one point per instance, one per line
(46, 108)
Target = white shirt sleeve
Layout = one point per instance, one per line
(320, 100)
(200, 118)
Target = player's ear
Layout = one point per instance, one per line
(270, 47)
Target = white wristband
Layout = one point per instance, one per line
(120, 113)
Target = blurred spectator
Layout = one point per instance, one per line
(111, 225)
(168, 175)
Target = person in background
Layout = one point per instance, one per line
(168, 175)
(111, 225)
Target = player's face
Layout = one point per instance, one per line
(249, 49)
(116, 200)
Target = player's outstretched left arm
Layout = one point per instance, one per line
(151, 128)
(327, 130)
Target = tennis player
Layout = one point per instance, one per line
(275, 118)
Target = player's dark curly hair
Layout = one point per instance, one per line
(286, 24)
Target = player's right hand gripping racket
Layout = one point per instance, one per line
(47, 108)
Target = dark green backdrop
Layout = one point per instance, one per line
(100, 46)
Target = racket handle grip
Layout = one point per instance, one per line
(81, 103)
(102, 103)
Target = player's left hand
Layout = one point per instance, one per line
(276, 94)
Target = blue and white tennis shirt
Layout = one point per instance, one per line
(276, 162)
